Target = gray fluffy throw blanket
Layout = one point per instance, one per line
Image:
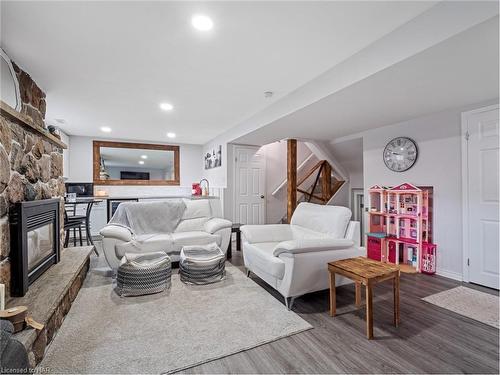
(149, 217)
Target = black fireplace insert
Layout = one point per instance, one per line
(35, 245)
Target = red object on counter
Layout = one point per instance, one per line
(196, 188)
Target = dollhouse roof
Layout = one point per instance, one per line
(377, 187)
(405, 187)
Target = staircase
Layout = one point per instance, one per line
(325, 184)
(322, 185)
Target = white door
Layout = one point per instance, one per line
(249, 185)
(482, 192)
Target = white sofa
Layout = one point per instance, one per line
(293, 258)
(201, 223)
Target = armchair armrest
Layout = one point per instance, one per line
(353, 232)
(266, 233)
(216, 223)
(116, 231)
(312, 245)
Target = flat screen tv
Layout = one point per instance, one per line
(124, 175)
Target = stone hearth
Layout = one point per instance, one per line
(50, 297)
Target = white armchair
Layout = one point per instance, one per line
(293, 258)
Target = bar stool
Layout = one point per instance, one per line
(74, 222)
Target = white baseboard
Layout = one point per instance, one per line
(450, 275)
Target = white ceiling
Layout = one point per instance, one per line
(112, 63)
(460, 71)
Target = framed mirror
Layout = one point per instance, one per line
(121, 163)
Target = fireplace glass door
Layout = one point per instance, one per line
(40, 245)
(35, 241)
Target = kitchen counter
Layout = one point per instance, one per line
(156, 197)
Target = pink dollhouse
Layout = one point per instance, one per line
(400, 222)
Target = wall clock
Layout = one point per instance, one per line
(400, 154)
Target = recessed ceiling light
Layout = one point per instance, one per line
(166, 106)
(171, 135)
(201, 22)
(141, 162)
(106, 129)
(144, 156)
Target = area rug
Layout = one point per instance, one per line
(468, 302)
(166, 332)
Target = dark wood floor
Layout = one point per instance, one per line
(429, 339)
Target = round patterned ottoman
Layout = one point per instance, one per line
(202, 264)
(145, 273)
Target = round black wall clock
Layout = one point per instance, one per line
(400, 154)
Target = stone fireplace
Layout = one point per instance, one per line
(31, 211)
(31, 163)
(34, 228)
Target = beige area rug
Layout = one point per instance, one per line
(166, 332)
(468, 302)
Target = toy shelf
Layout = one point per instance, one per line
(400, 222)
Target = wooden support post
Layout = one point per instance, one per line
(291, 177)
(326, 181)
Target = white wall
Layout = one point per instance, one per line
(356, 180)
(217, 176)
(65, 139)
(342, 198)
(438, 137)
(81, 168)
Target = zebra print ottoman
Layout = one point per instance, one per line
(145, 273)
(202, 264)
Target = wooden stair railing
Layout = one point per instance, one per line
(325, 185)
(328, 186)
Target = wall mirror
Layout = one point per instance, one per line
(120, 163)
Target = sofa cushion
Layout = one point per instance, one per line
(196, 208)
(331, 220)
(301, 233)
(181, 239)
(260, 255)
(146, 243)
(149, 217)
(189, 225)
(266, 233)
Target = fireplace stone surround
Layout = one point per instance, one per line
(31, 170)
(31, 165)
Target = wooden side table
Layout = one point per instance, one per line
(367, 272)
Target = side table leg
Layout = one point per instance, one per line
(396, 300)
(358, 293)
(238, 240)
(333, 296)
(369, 312)
(229, 252)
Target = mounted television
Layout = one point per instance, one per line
(124, 175)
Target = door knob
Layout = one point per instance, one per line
(262, 197)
